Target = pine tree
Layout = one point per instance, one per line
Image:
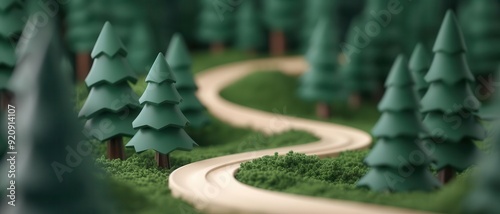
(55, 176)
(281, 17)
(450, 104)
(111, 105)
(215, 26)
(317, 10)
(420, 62)
(180, 62)
(249, 28)
(322, 83)
(161, 123)
(141, 47)
(397, 161)
(490, 111)
(11, 25)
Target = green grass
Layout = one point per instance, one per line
(276, 92)
(138, 186)
(336, 177)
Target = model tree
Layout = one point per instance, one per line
(281, 16)
(215, 25)
(420, 62)
(161, 123)
(10, 28)
(490, 111)
(180, 62)
(450, 98)
(482, 32)
(141, 47)
(48, 128)
(317, 10)
(397, 133)
(249, 28)
(111, 100)
(322, 83)
(84, 25)
(359, 80)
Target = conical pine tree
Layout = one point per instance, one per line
(420, 62)
(393, 164)
(450, 104)
(249, 28)
(111, 100)
(56, 175)
(180, 62)
(322, 83)
(315, 11)
(215, 27)
(161, 123)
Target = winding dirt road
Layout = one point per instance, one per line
(210, 184)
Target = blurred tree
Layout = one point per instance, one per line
(281, 16)
(180, 62)
(142, 47)
(249, 28)
(450, 99)
(391, 160)
(490, 111)
(420, 62)
(316, 10)
(83, 26)
(161, 123)
(425, 28)
(215, 24)
(322, 83)
(57, 173)
(111, 105)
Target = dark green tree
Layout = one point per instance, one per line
(83, 26)
(250, 34)
(317, 10)
(322, 83)
(215, 24)
(450, 104)
(490, 110)
(420, 62)
(11, 25)
(161, 123)
(425, 28)
(180, 62)
(281, 16)
(55, 176)
(142, 47)
(398, 162)
(111, 105)
(359, 80)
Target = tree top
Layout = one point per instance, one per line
(108, 43)
(7, 4)
(450, 38)
(399, 74)
(177, 53)
(160, 71)
(420, 59)
(323, 34)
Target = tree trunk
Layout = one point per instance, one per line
(217, 48)
(83, 63)
(355, 101)
(5, 100)
(277, 43)
(446, 175)
(162, 160)
(116, 148)
(323, 110)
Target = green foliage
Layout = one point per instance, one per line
(11, 24)
(249, 28)
(84, 21)
(282, 14)
(215, 25)
(335, 178)
(281, 99)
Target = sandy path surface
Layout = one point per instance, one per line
(210, 184)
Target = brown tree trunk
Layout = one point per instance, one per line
(323, 110)
(355, 101)
(83, 63)
(217, 48)
(277, 43)
(5, 99)
(162, 160)
(116, 148)
(446, 175)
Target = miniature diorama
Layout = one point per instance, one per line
(250, 106)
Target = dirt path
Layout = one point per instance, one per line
(210, 185)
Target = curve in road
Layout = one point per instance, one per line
(210, 185)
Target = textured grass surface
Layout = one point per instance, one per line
(336, 177)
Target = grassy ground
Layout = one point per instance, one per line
(138, 186)
(330, 178)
